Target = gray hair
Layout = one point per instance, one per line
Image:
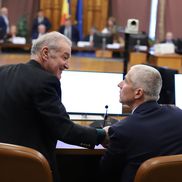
(51, 40)
(147, 78)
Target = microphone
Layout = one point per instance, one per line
(105, 115)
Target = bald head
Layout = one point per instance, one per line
(147, 78)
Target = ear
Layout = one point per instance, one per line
(139, 92)
(44, 53)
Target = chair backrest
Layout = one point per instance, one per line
(160, 169)
(23, 164)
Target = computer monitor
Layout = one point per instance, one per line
(178, 46)
(102, 39)
(167, 94)
(89, 92)
(140, 39)
(178, 90)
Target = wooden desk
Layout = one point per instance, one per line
(26, 47)
(137, 58)
(172, 61)
(76, 63)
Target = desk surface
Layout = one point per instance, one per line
(64, 148)
(74, 48)
(166, 55)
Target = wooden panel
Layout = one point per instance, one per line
(52, 10)
(94, 64)
(137, 58)
(95, 14)
(103, 54)
(76, 63)
(73, 10)
(172, 61)
(56, 14)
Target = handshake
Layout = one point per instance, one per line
(105, 142)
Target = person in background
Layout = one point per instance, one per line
(31, 110)
(70, 31)
(4, 23)
(40, 19)
(113, 28)
(169, 38)
(90, 36)
(151, 130)
(12, 33)
(41, 31)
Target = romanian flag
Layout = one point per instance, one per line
(65, 11)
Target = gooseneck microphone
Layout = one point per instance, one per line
(105, 115)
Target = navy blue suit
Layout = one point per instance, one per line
(152, 130)
(3, 28)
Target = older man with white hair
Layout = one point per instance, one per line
(31, 111)
(151, 130)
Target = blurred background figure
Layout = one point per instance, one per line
(12, 33)
(41, 31)
(113, 29)
(90, 36)
(70, 31)
(40, 19)
(169, 38)
(4, 23)
(111, 26)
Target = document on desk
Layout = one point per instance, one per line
(62, 145)
(75, 117)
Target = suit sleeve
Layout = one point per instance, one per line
(47, 100)
(112, 161)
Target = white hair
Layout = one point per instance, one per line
(147, 78)
(51, 40)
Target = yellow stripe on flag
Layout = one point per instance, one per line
(65, 11)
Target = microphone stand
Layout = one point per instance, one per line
(105, 116)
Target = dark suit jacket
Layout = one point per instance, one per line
(45, 22)
(74, 33)
(152, 130)
(31, 112)
(3, 28)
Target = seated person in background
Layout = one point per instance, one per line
(4, 23)
(13, 36)
(169, 38)
(41, 31)
(113, 29)
(70, 30)
(12, 33)
(40, 19)
(90, 37)
(152, 130)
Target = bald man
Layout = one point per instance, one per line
(151, 130)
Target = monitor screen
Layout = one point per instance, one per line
(178, 90)
(179, 46)
(89, 92)
(140, 39)
(101, 39)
